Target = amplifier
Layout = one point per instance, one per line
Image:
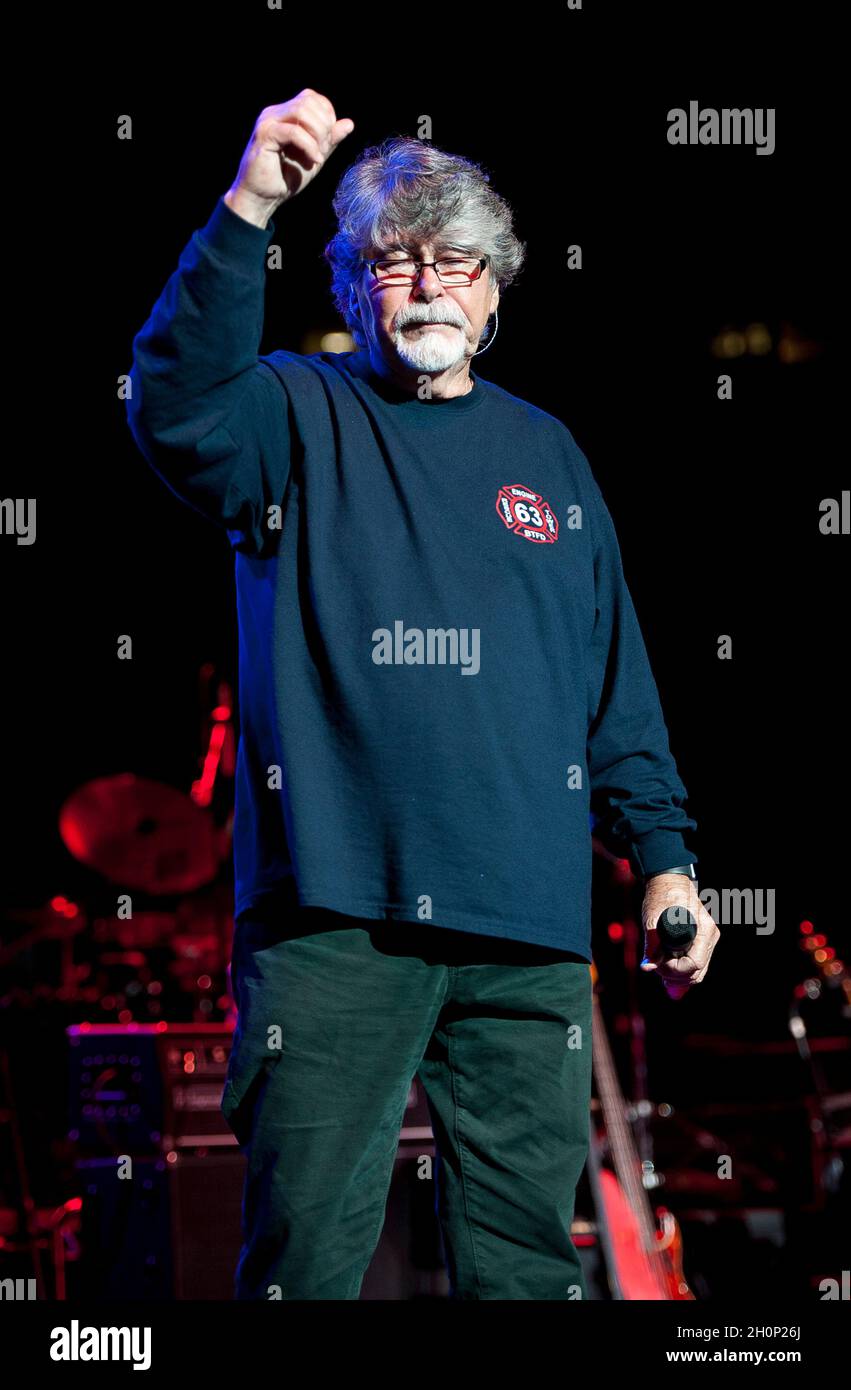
(148, 1087)
(173, 1229)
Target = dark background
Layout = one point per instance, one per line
(716, 503)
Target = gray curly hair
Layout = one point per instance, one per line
(404, 190)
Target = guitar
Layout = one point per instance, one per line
(644, 1260)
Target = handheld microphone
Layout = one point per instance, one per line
(677, 930)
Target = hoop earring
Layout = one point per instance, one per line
(492, 336)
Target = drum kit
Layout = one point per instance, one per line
(153, 941)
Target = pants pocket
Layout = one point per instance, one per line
(247, 1073)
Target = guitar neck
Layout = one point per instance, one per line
(625, 1159)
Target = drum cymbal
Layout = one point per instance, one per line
(141, 834)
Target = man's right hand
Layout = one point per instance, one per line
(288, 146)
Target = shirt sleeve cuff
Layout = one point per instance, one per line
(659, 850)
(227, 231)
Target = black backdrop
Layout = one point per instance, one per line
(716, 503)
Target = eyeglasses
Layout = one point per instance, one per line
(453, 270)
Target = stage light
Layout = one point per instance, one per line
(758, 339)
(336, 341)
(729, 343)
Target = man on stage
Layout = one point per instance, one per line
(441, 677)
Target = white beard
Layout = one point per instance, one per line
(432, 350)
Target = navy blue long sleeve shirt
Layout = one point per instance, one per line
(441, 672)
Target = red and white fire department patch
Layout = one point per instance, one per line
(526, 513)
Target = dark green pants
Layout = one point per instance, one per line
(336, 1015)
